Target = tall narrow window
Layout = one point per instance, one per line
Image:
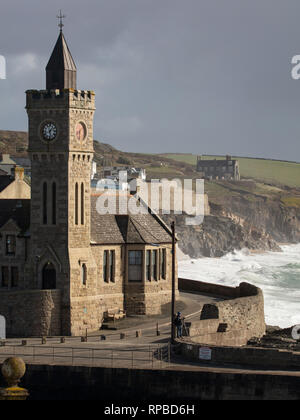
(105, 266)
(45, 203)
(5, 277)
(76, 204)
(54, 203)
(82, 203)
(163, 262)
(135, 266)
(10, 245)
(84, 274)
(112, 266)
(148, 265)
(154, 264)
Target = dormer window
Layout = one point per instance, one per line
(10, 245)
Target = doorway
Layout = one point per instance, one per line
(49, 277)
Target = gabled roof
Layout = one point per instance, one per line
(7, 160)
(130, 228)
(16, 210)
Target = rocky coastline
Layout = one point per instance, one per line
(258, 225)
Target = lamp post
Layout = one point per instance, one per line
(173, 282)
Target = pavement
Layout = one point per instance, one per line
(149, 351)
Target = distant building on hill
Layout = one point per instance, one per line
(227, 169)
(9, 163)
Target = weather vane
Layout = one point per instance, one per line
(61, 17)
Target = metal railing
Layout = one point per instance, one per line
(153, 357)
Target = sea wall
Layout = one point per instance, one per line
(21, 321)
(163, 386)
(259, 358)
(232, 321)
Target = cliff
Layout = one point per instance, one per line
(243, 215)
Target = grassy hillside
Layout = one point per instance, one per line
(277, 172)
(15, 143)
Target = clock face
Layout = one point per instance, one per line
(81, 131)
(49, 131)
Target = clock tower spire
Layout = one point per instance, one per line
(61, 72)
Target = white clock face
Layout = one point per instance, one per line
(49, 131)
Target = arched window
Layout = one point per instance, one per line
(76, 204)
(84, 274)
(45, 203)
(54, 203)
(82, 203)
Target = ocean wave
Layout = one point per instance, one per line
(277, 274)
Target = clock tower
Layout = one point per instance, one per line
(61, 152)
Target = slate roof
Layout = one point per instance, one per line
(61, 68)
(217, 163)
(23, 162)
(61, 57)
(17, 210)
(130, 229)
(5, 181)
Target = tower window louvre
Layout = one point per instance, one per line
(45, 203)
(76, 204)
(82, 203)
(54, 203)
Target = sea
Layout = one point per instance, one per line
(276, 273)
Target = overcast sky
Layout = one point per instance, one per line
(199, 76)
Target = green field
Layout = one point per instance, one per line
(282, 173)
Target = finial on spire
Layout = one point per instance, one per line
(61, 17)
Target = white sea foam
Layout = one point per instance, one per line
(276, 273)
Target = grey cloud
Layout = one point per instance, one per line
(200, 76)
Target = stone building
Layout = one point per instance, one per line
(63, 263)
(227, 169)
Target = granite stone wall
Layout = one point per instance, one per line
(23, 321)
(232, 321)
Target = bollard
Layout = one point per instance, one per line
(103, 338)
(122, 336)
(44, 340)
(62, 340)
(158, 333)
(24, 343)
(13, 370)
(138, 334)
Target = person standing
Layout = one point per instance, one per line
(179, 324)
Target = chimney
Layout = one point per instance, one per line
(228, 157)
(19, 173)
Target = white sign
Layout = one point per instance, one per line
(205, 353)
(2, 328)
(2, 67)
